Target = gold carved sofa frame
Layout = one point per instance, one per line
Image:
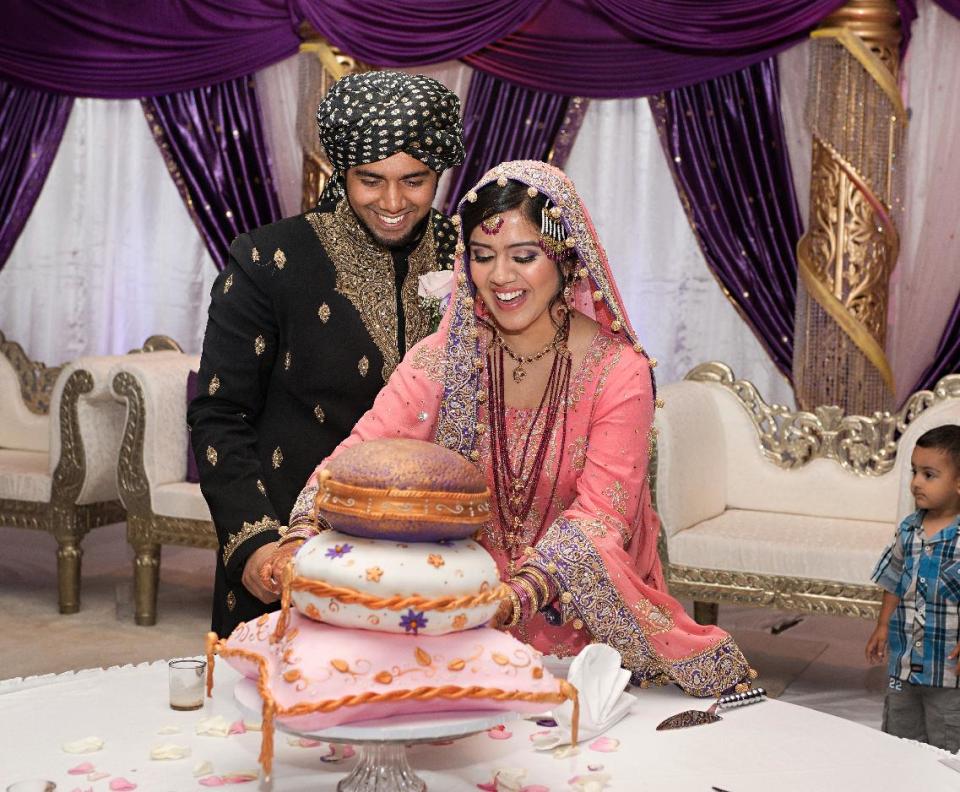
(860, 447)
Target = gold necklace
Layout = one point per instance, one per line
(521, 360)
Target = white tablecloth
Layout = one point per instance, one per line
(767, 747)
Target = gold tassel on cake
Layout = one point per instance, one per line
(849, 250)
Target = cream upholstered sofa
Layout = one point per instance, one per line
(162, 506)
(767, 506)
(59, 442)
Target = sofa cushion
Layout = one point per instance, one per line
(179, 499)
(25, 475)
(771, 543)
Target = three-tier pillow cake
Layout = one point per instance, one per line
(389, 606)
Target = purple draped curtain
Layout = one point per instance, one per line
(724, 141)
(502, 122)
(213, 143)
(31, 126)
(591, 48)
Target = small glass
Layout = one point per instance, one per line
(187, 683)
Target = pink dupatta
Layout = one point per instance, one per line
(599, 540)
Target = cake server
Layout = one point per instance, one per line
(699, 717)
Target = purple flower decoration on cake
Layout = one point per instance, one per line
(413, 621)
(444, 542)
(339, 551)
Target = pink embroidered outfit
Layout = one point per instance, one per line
(598, 540)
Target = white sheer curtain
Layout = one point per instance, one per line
(109, 255)
(674, 302)
(926, 282)
(279, 98)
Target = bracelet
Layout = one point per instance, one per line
(301, 533)
(537, 577)
(515, 600)
(533, 602)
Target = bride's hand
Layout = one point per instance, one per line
(503, 616)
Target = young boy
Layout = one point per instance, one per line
(920, 616)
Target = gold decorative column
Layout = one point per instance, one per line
(845, 258)
(321, 65)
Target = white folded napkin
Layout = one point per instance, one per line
(601, 683)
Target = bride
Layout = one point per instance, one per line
(536, 375)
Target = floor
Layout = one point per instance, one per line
(817, 663)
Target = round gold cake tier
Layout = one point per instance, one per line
(404, 490)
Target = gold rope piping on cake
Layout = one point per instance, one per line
(471, 508)
(823, 294)
(873, 65)
(349, 596)
(272, 710)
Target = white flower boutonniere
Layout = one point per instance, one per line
(434, 290)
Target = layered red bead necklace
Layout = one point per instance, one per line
(515, 486)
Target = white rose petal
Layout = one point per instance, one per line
(169, 751)
(202, 769)
(217, 726)
(509, 779)
(169, 730)
(86, 745)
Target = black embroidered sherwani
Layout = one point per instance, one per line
(306, 323)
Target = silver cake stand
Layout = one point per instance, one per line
(382, 744)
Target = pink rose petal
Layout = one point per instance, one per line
(489, 786)
(212, 781)
(122, 785)
(499, 733)
(604, 744)
(535, 788)
(238, 779)
(77, 789)
(237, 727)
(81, 769)
(97, 776)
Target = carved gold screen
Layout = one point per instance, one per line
(846, 257)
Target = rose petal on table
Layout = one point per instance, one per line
(237, 727)
(217, 726)
(535, 788)
(169, 751)
(565, 752)
(487, 786)
(253, 725)
(84, 745)
(338, 752)
(548, 723)
(240, 778)
(77, 789)
(202, 769)
(591, 782)
(97, 776)
(605, 744)
(303, 742)
(509, 779)
(212, 781)
(169, 730)
(81, 769)
(122, 785)
(499, 733)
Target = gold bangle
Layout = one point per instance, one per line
(527, 586)
(515, 601)
(538, 577)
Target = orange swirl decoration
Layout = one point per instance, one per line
(349, 596)
(271, 710)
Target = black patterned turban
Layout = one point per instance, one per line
(371, 116)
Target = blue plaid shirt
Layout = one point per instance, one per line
(925, 574)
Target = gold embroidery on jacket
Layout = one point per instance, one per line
(228, 283)
(214, 385)
(364, 272)
(324, 312)
(280, 259)
(277, 457)
(319, 413)
(259, 344)
(247, 531)
(212, 455)
(363, 366)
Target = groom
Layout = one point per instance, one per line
(313, 313)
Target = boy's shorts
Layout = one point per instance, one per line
(927, 714)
